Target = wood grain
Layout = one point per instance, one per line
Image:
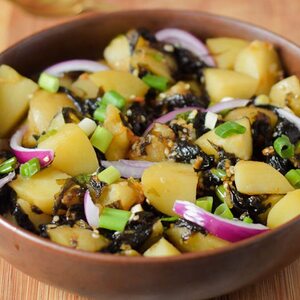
(282, 18)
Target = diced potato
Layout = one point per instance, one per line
(123, 194)
(40, 189)
(260, 60)
(85, 88)
(269, 202)
(117, 53)
(221, 83)
(78, 238)
(156, 235)
(36, 219)
(251, 113)
(239, 144)
(43, 107)
(165, 182)
(15, 93)
(286, 209)
(225, 50)
(124, 83)
(195, 242)
(287, 93)
(162, 248)
(74, 153)
(122, 136)
(257, 178)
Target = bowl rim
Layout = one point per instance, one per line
(141, 260)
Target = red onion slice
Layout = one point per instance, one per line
(289, 116)
(91, 210)
(129, 168)
(23, 155)
(228, 104)
(75, 65)
(170, 116)
(8, 178)
(186, 40)
(230, 230)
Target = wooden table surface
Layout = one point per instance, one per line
(279, 16)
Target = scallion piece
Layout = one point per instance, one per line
(247, 220)
(218, 173)
(30, 168)
(221, 193)
(109, 175)
(100, 113)
(211, 120)
(101, 139)
(223, 211)
(284, 147)
(169, 219)
(205, 203)
(113, 98)
(293, 176)
(157, 82)
(8, 165)
(114, 219)
(49, 82)
(229, 128)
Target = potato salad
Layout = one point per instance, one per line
(165, 145)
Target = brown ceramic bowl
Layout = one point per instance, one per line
(189, 276)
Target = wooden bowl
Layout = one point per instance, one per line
(189, 276)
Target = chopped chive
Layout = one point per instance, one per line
(8, 165)
(284, 147)
(218, 173)
(114, 219)
(169, 219)
(229, 128)
(101, 139)
(100, 113)
(114, 98)
(221, 193)
(223, 211)
(293, 176)
(49, 82)
(30, 168)
(109, 175)
(205, 203)
(157, 82)
(247, 220)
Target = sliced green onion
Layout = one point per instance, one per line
(205, 203)
(169, 219)
(223, 211)
(211, 120)
(157, 82)
(248, 220)
(8, 165)
(100, 113)
(229, 128)
(101, 139)
(284, 147)
(113, 98)
(223, 195)
(49, 82)
(114, 219)
(218, 173)
(293, 176)
(109, 175)
(30, 168)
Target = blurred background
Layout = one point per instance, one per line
(16, 23)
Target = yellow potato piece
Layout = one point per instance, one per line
(165, 182)
(15, 93)
(286, 209)
(124, 83)
(287, 93)
(74, 153)
(221, 83)
(225, 50)
(240, 144)
(260, 60)
(257, 178)
(39, 190)
(43, 107)
(162, 248)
